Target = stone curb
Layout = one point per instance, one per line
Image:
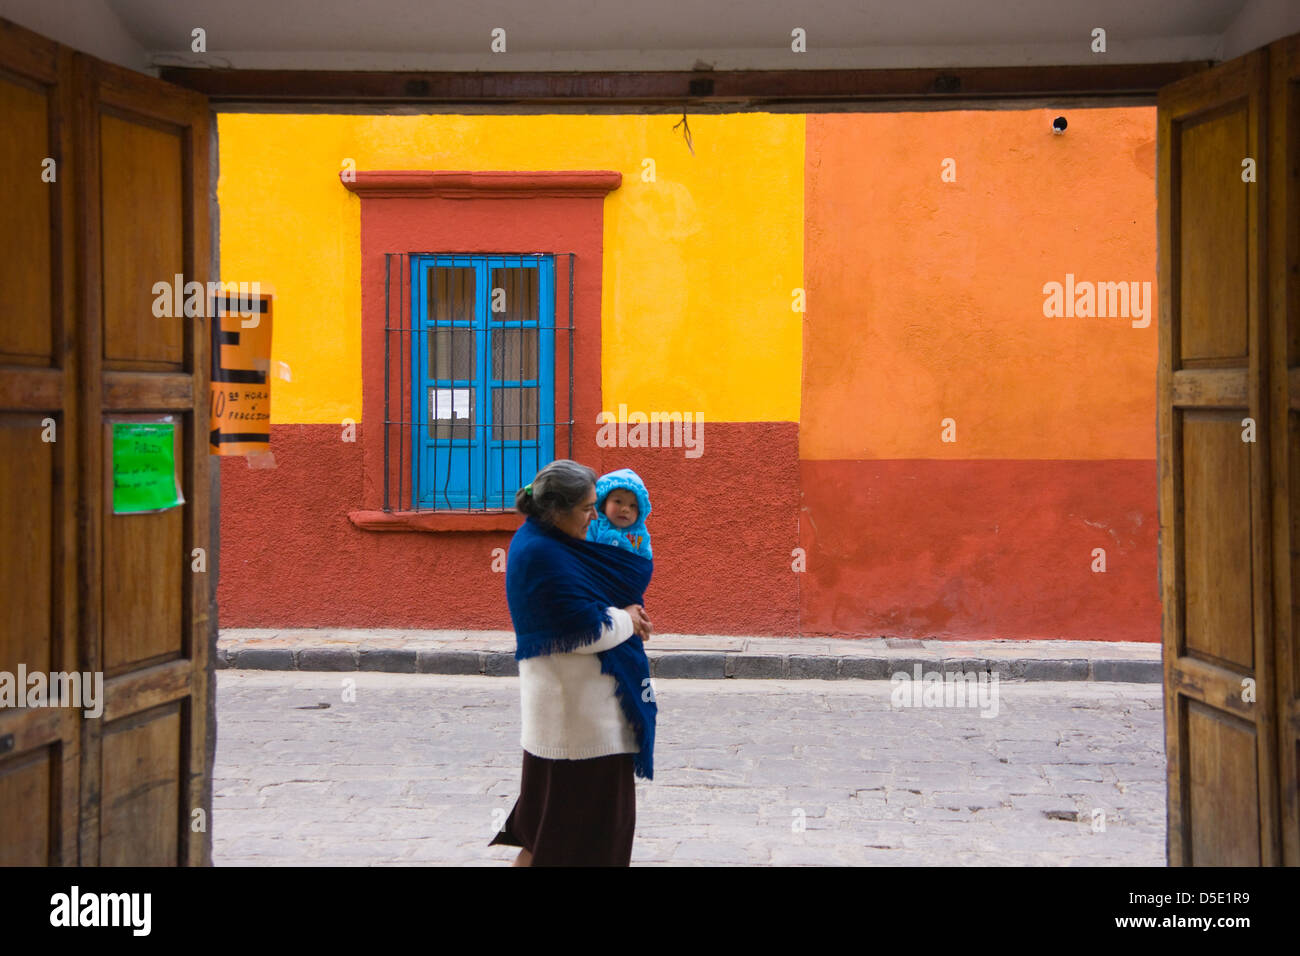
(704, 665)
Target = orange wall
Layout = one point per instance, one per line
(926, 302)
(925, 298)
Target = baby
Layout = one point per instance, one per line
(622, 505)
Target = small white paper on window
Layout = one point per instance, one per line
(448, 403)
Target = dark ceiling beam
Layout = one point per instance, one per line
(744, 87)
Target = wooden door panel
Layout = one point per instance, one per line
(1212, 204)
(143, 588)
(28, 787)
(1221, 788)
(1216, 534)
(26, 281)
(27, 509)
(143, 242)
(1215, 537)
(143, 764)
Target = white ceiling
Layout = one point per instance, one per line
(653, 35)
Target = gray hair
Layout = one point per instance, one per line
(559, 486)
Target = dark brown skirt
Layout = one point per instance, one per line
(574, 812)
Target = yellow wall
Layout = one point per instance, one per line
(698, 271)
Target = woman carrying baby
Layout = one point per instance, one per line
(587, 707)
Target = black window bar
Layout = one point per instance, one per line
(402, 326)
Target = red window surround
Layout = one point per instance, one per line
(489, 212)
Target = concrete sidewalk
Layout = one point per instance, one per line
(491, 653)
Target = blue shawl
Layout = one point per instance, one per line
(559, 589)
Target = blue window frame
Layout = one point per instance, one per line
(483, 369)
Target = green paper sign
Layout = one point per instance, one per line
(144, 467)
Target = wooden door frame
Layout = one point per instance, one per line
(694, 90)
(894, 90)
(306, 91)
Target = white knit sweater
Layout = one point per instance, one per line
(568, 707)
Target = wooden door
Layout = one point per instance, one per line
(1284, 419)
(1226, 155)
(40, 748)
(125, 596)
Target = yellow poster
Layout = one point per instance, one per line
(241, 380)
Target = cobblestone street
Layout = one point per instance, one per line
(421, 768)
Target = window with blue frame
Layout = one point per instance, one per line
(483, 374)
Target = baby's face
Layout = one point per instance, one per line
(620, 508)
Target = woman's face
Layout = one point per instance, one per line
(574, 522)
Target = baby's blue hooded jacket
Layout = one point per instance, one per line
(633, 538)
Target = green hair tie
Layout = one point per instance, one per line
(528, 488)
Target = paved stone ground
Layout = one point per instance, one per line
(421, 768)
